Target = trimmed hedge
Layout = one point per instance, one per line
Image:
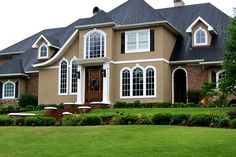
(233, 124)
(180, 119)
(81, 120)
(6, 121)
(161, 118)
(36, 121)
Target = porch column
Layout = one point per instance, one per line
(79, 86)
(106, 84)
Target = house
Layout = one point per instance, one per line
(134, 52)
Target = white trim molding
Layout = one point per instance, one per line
(2, 53)
(209, 27)
(35, 45)
(173, 83)
(60, 52)
(141, 61)
(59, 77)
(14, 74)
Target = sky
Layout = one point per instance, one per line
(20, 19)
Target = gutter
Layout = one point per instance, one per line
(186, 61)
(14, 74)
(96, 25)
(10, 53)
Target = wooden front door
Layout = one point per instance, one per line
(94, 84)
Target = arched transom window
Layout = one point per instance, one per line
(95, 44)
(200, 37)
(138, 82)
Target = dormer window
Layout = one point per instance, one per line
(95, 44)
(43, 52)
(200, 37)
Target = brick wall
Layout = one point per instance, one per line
(5, 102)
(32, 85)
(197, 75)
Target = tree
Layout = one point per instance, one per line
(228, 83)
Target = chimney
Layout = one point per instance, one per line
(96, 10)
(179, 3)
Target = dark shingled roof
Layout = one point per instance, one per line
(182, 17)
(133, 12)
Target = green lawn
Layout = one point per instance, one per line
(151, 111)
(117, 141)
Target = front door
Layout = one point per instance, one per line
(93, 84)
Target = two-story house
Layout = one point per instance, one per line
(134, 52)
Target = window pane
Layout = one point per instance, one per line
(126, 83)
(95, 45)
(150, 82)
(138, 82)
(143, 40)
(63, 83)
(131, 41)
(43, 51)
(9, 90)
(200, 37)
(74, 77)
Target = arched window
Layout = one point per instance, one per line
(220, 74)
(43, 51)
(125, 82)
(9, 90)
(150, 81)
(63, 77)
(95, 44)
(200, 37)
(138, 82)
(74, 66)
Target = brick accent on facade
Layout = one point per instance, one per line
(197, 75)
(5, 102)
(32, 85)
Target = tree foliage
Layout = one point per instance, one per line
(228, 83)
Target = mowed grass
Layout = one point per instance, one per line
(117, 141)
(152, 111)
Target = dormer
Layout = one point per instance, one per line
(201, 33)
(46, 47)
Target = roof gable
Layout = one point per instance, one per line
(50, 42)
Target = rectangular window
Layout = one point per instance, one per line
(137, 41)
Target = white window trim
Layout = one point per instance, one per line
(3, 91)
(144, 83)
(218, 77)
(105, 41)
(137, 41)
(59, 78)
(74, 59)
(39, 52)
(195, 37)
(173, 82)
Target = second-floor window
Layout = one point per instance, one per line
(137, 41)
(43, 51)
(95, 44)
(200, 37)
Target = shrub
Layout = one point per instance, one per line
(201, 120)
(124, 119)
(20, 121)
(75, 120)
(233, 124)
(143, 119)
(194, 96)
(5, 121)
(120, 104)
(161, 118)
(31, 121)
(180, 119)
(224, 122)
(27, 100)
(46, 121)
(136, 104)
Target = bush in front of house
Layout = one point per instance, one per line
(194, 96)
(180, 119)
(6, 121)
(161, 119)
(233, 124)
(20, 121)
(224, 122)
(28, 100)
(81, 120)
(126, 119)
(37, 121)
(143, 120)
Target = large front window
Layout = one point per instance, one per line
(137, 41)
(138, 82)
(9, 90)
(95, 44)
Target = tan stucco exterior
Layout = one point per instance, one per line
(164, 44)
